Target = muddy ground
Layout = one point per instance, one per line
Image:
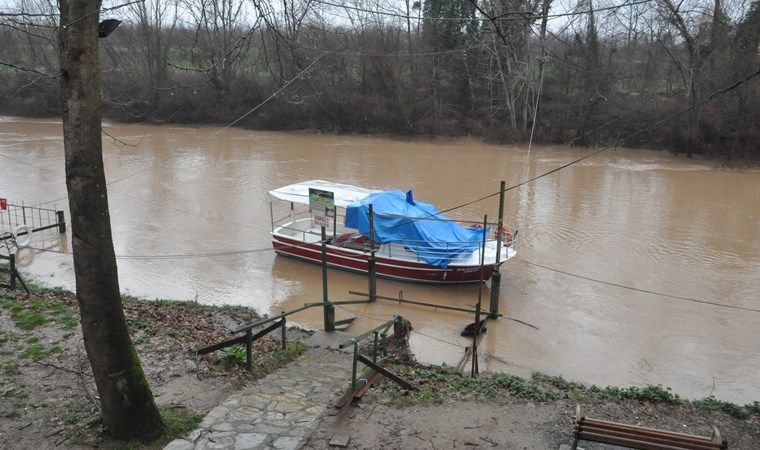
(48, 398)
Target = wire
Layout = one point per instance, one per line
(518, 15)
(453, 344)
(175, 255)
(713, 96)
(271, 96)
(646, 291)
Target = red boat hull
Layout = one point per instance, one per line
(402, 270)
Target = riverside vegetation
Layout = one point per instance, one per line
(49, 396)
(651, 75)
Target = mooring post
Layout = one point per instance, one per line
(283, 331)
(354, 367)
(374, 348)
(496, 277)
(329, 309)
(12, 267)
(249, 349)
(371, 260)
(61, 222)
(475, 342)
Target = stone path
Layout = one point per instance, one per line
(279, 411)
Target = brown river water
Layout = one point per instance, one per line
(634, 267)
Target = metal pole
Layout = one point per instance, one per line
(284, 345)
(249, 349)
(413, 302)
(329, 310)
(12, 267)
(496, 277)
(61, 222)
(353, 370)
(475, 342)
(371, 261)
(480, 297)
(374, 348)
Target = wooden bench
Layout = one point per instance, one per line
(602, 431)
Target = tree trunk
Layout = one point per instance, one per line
(127, 402)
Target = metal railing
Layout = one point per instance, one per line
(380, 334)
(8, 241)
(15, 214)
(248, 338)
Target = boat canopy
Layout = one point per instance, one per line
(419, 226)
(299, 193)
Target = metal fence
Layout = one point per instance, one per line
(22, 220)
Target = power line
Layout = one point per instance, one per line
(174, 255)
(646, 291)
(508, 15)
(710, 98)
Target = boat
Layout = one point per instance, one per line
(409, 240)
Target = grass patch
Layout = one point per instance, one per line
(150, 328)
(30, 315)
(177, 423)
(28, 320)
(10, 368)
(267, 362)
(264, 361)
(740, 412)
(89, 430)
(34, 351)
(436, 383)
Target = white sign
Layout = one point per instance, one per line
(322, 204)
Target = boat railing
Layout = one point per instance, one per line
(439, 250)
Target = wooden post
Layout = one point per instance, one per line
(329, 310)
(284, 332)
(371, 261)
(249, 349)
(12, 267)
(496, 277)
(475, 369)
(61, 222)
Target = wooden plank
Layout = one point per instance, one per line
(372, 379)
(221, 345)
(586, 422)
(653, 435)
(644, 442)
(643, 438)
(388, 374)
(239, 339)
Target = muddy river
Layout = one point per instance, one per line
(633, 267)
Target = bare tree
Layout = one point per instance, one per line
(155, 23)
(218, 40)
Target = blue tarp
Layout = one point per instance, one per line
(435, 241)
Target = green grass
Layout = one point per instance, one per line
(10, 368)
(436, 383)
(263, 362)
(178, 422)
(149, 328)
(34, 351)
(28, 320)
(30, 315)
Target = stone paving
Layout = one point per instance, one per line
(279, 411)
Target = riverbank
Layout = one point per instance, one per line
(50, 400)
